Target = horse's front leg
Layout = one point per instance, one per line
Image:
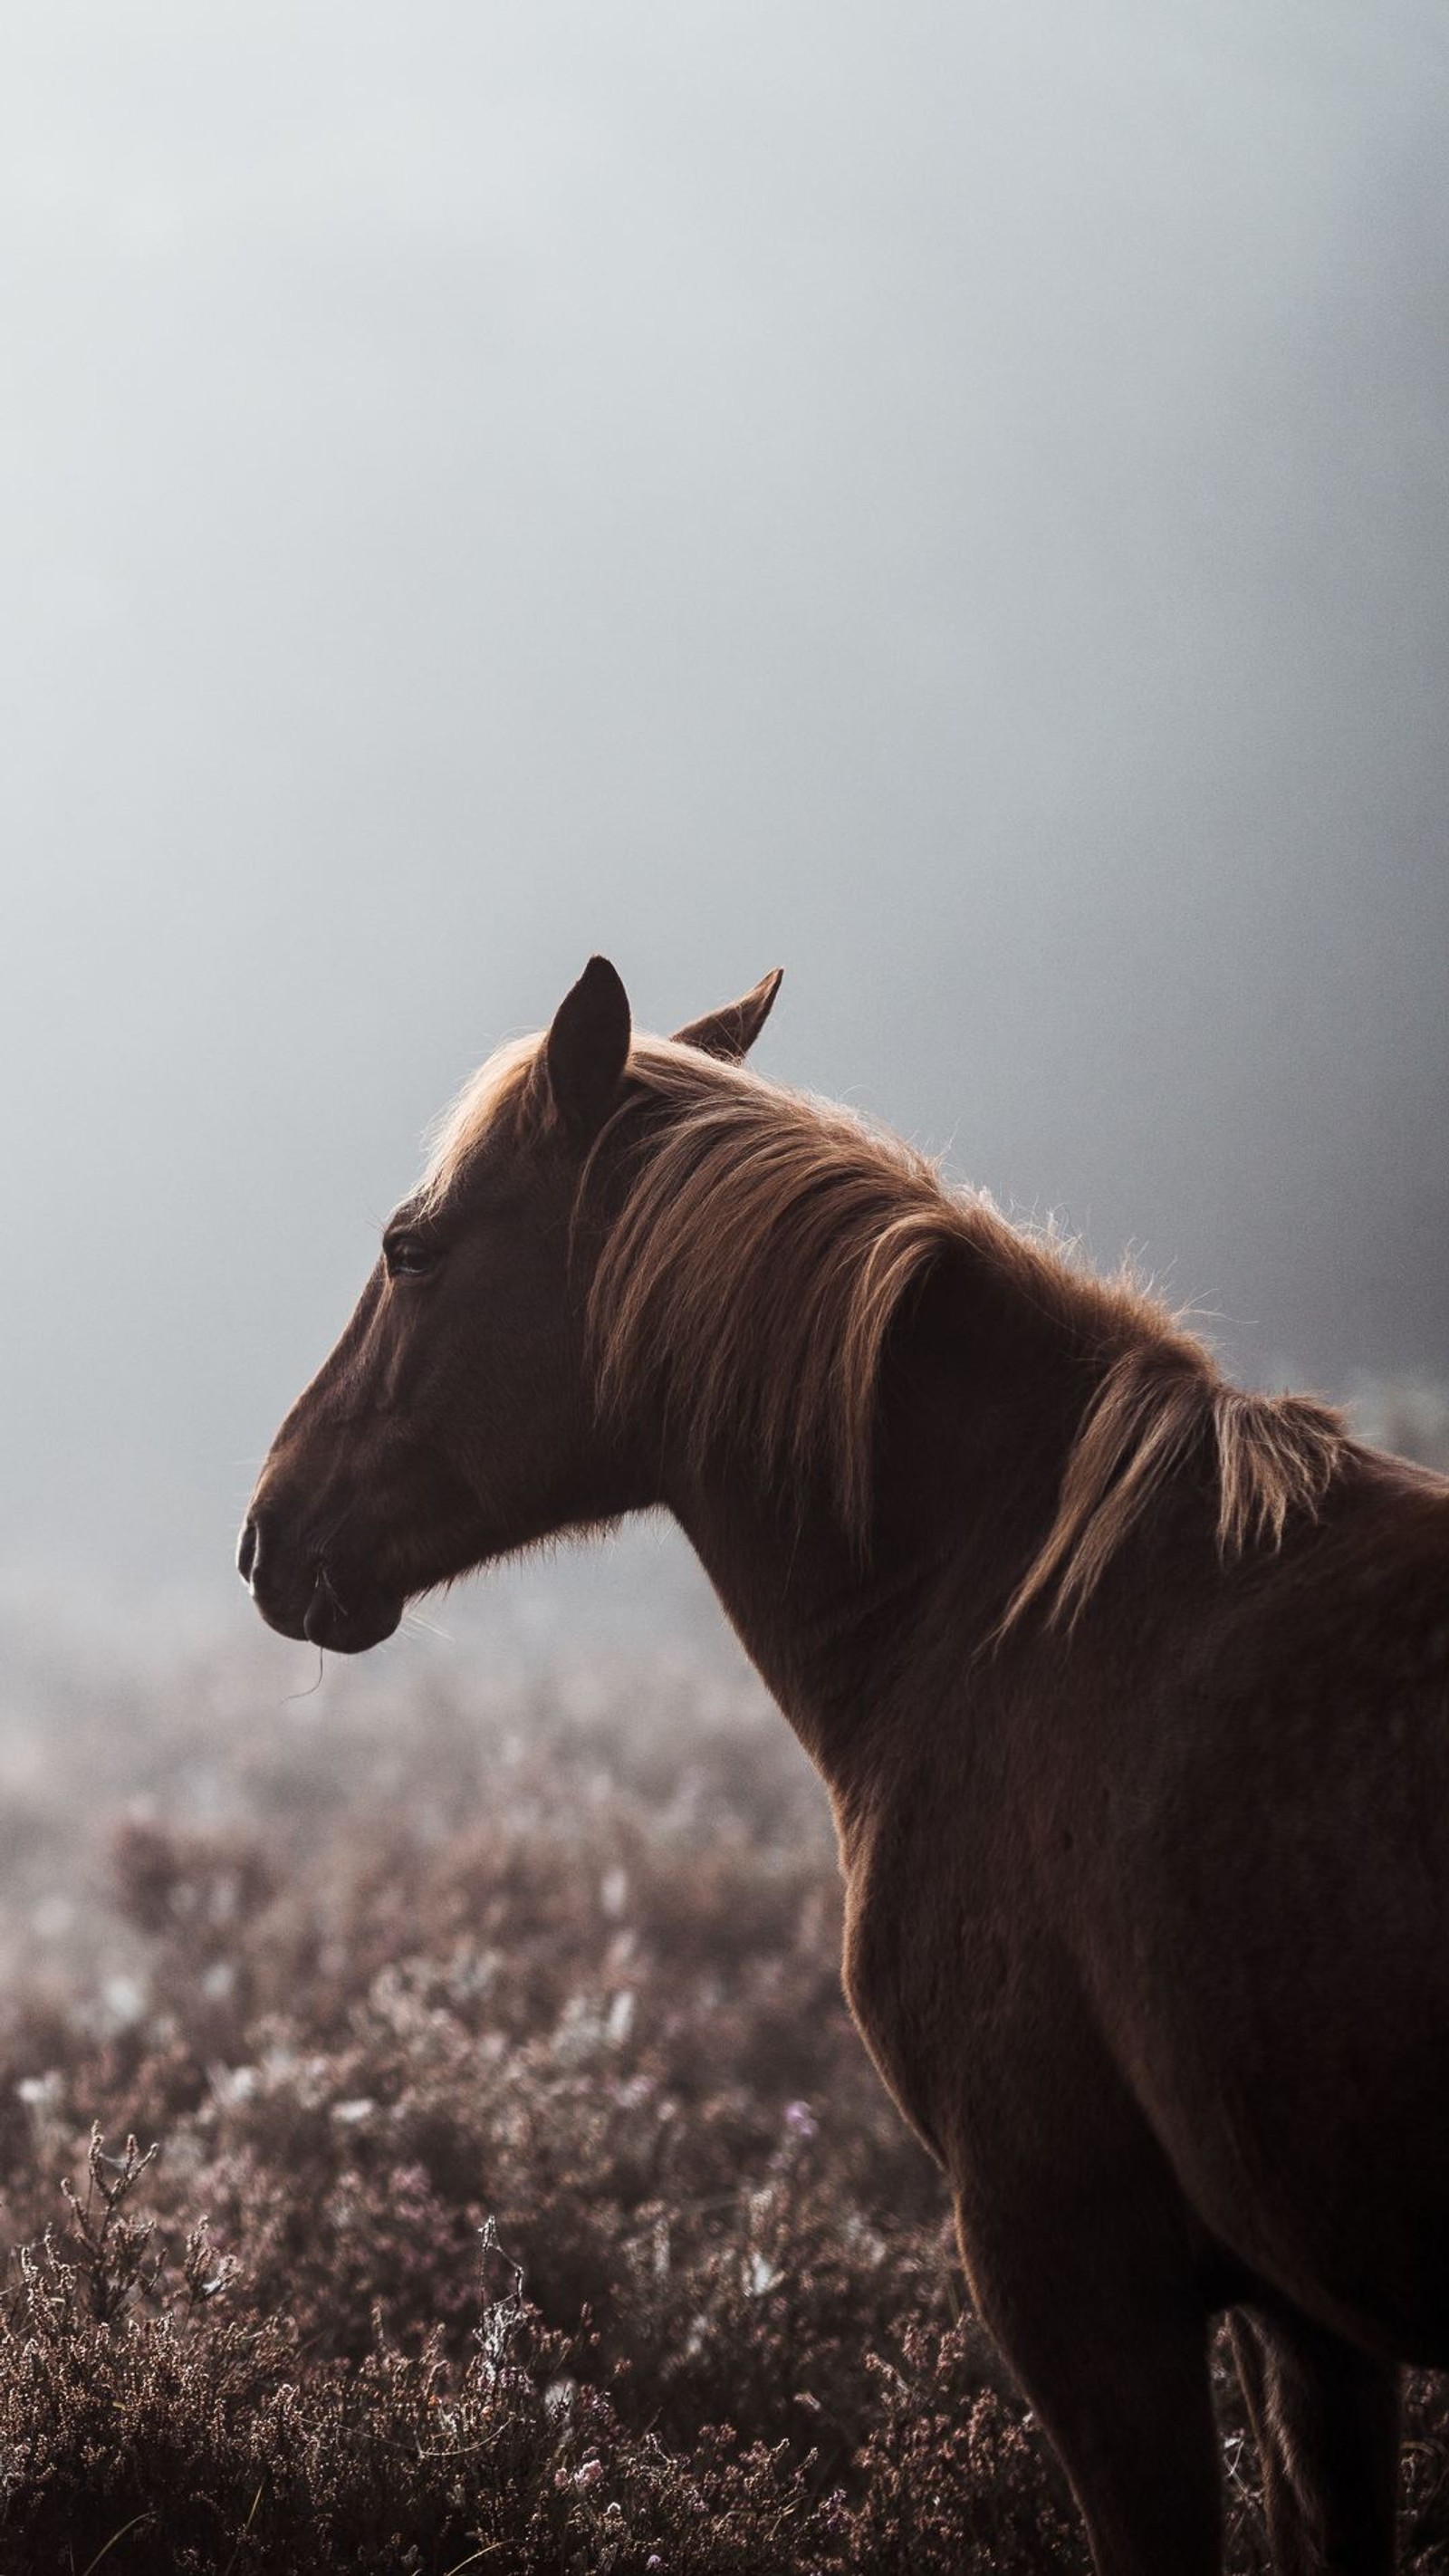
(1116, 2366)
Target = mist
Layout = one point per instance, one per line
(951, 501)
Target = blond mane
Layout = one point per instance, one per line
(456, 1135)
(764, 1244)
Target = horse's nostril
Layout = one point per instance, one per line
(246, 1550)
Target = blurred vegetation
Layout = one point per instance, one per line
(1409, 1415)
(521, 2198)
(522, 2194)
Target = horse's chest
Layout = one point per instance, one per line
(941, 1962)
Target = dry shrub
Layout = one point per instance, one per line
(523, 2198)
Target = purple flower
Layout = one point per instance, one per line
(800, 2118)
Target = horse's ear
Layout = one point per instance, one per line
(582, 1059)
(731, 1031)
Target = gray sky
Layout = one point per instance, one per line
(951, 500)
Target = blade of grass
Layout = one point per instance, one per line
(241, 2535)
(107, 2546)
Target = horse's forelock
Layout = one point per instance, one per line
(455, 1136)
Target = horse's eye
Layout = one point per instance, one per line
(408, 1256)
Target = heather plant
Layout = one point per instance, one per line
(431, 2138)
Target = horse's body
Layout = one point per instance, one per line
(1131, 1693)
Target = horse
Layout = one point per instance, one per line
(1129, 1687)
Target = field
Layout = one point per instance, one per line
(521, 2197)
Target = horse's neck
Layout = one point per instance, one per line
(979, 1402)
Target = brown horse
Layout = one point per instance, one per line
(1131, 1693)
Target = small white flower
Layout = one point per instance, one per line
(123, 2000)
(41, 2092)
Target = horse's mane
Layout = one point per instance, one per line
(763, 1245)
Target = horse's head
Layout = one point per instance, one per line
(457, 1417)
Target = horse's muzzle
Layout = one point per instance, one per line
(301, 1596)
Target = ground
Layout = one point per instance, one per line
(521, 2198)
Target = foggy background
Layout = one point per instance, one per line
(951, 500)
